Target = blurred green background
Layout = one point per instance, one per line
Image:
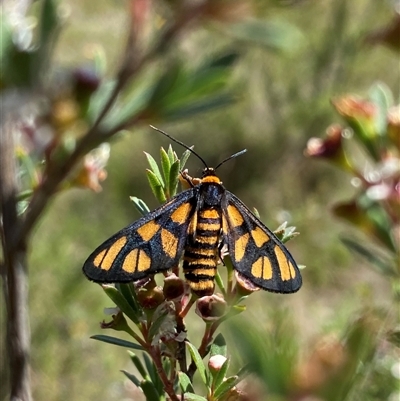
(283, 100)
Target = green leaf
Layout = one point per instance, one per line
(194, 397)
(218, 377)
(198, 106)
(218, 347)
(6, 41)
(121, 302)
(174, 177)
(154, 168)
(156, 186)
(219, 281)
(135, 103)
(155, 326)
(274, 35)
(171, 155)
(139, 366)
(198, 362)
(116, 341)
(132, 378)
(165, 85)
(155, 378)
(97, 102)
(49, 25)
(128, 292)
(382, 97)
(184, 158)
(225, 386)
(149, 391)
(383, 266)
(223, 60)
(185, 383)
(165, 167)
(271, 353)
(140, 205)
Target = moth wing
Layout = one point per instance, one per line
(149, 245)
(256, 252)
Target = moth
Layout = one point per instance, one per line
(193, 226)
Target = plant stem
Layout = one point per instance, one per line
(14, 272)
(168, 385)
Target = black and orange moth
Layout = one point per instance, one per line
(193, 226)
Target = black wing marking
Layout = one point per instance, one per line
(255, 251)
(149, 245)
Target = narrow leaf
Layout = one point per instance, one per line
(149, 390)
(194, 397)
(185, 383)
(139, 366)
(165, 167)
(225, 386)
(200, 106)
(121, 302)
(368, 254)
(184, 158)
(116, 341)
(132, 378)
(155, 378)
(174, 177)
(276, 35)
(171, 155)
(218, 347)
(155, 326)
(140, 205)
(198, 361)
(156, 186)
(154, 167)
(220, 375)
(129, 294)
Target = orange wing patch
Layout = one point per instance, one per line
(262, 268)
(235, 216)
(169, 243)
(285, 266)
(259, 237)
(240, 246)
(181, 214)
(148, 230)
(136, 260)
(106, 258)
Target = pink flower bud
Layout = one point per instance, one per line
(215, 363)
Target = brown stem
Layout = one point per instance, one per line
(203, 349)
(14, 272)
(168, 385)
(15, 232)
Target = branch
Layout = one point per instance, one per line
(14, 272)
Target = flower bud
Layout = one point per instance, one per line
(215, 363)
(93, 170)
(150, 296)
(211, 307)
(174, 287)
(360, 114)
(330, 148)
(244, 286)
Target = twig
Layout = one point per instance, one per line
(14, 273)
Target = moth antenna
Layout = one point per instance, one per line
(231, 157)
(180, 143)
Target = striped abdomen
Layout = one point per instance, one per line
(201, 253)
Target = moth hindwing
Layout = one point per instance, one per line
(193, 226)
